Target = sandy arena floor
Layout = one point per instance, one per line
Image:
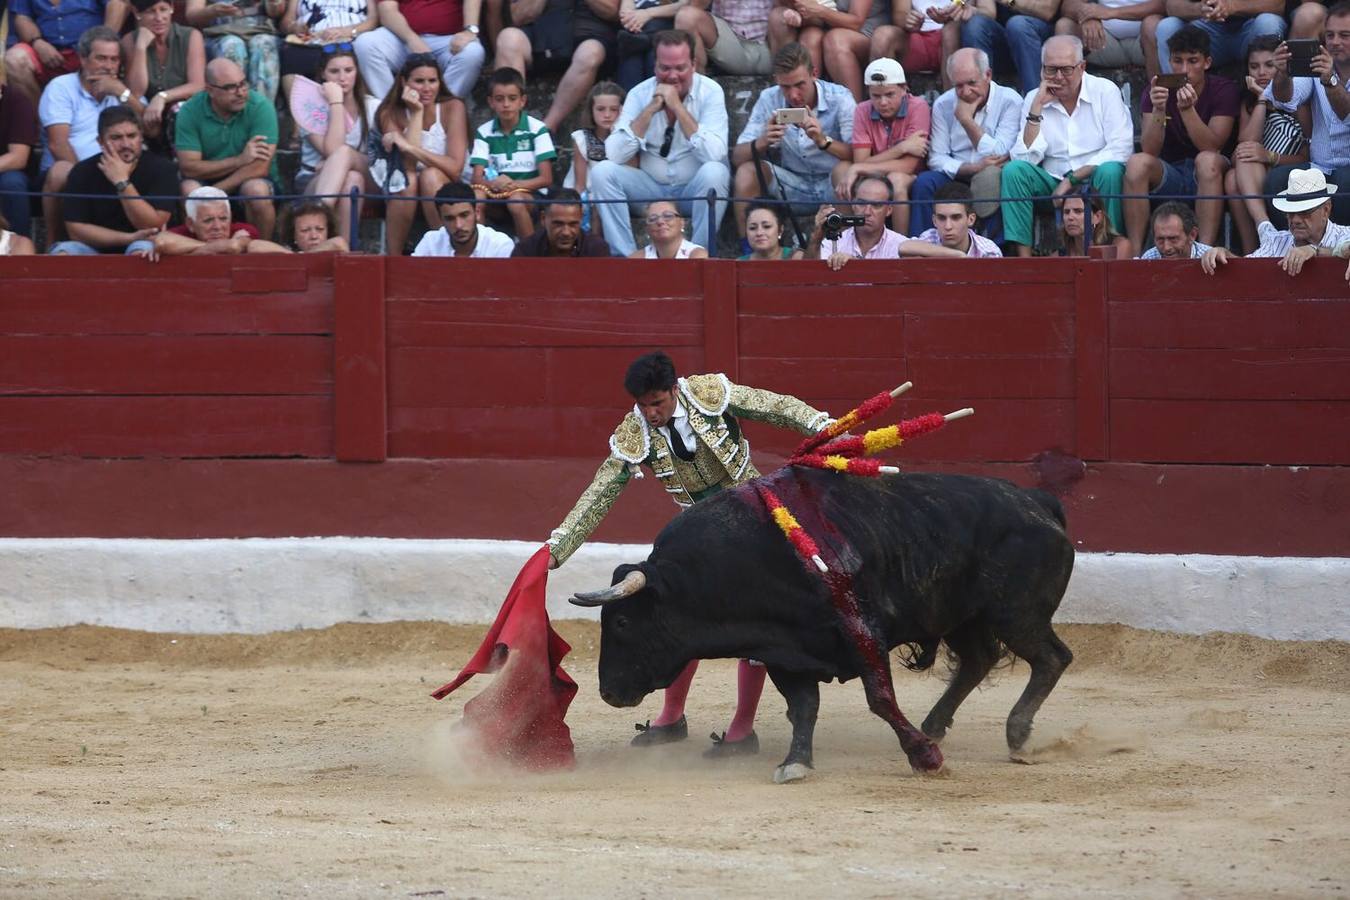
(306, 763)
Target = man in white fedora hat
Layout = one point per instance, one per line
(1307, 203)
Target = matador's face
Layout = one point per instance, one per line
(657, 407)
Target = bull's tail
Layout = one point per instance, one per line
(918, 657)
(1050, 503)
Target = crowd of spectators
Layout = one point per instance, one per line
(152, 131)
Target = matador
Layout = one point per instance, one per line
(685, 430)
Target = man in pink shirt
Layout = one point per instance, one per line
(870, 240)
(890, 136)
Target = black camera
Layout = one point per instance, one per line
(835, 223)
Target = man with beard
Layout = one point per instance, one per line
(562, 234)
(129, 223)
(462, 235)
(69, 111)
(1307, 204)
(1076, 130)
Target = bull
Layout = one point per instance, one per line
(977, 564)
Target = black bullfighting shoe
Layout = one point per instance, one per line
(650, 735)
(722, 748)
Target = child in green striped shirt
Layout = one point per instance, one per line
(512, 154)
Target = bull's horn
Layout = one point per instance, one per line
(632, 583)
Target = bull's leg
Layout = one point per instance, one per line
(802, 693)
(924, 755)
(1049, 657)
(976, 652)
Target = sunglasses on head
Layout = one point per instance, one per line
(417, 61)
(344, 47)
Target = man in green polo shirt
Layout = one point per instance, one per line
(227, 137)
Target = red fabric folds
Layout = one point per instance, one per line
(519, 717)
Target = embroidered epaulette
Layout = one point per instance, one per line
(710, 394)
(631, 441)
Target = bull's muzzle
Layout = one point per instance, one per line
(631, 584)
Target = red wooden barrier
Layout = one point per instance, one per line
(1173, 386)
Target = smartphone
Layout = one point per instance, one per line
(1172, 80)
(1301, 53)
(793, 115)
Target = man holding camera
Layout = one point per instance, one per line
(799, 132)
(1188, 119)
(1326, 91)
(839, 238)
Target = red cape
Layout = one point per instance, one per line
(519, 716)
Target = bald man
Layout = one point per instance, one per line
(227, 138)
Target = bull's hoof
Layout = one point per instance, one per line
(786, 774)
(926, 759)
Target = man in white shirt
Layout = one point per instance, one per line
(872, 196)
(675, 125)
(1076, 130)
(461, 234)
(973, 130)
(1307, 203)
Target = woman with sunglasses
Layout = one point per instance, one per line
(165, 62)
(665, 229)
(335, 162)
(313, 26)
(429, 128)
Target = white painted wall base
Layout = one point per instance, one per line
(256, 585)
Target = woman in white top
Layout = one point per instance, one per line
(665, 228)
(429, 127)
(335, 162)
(12, 244)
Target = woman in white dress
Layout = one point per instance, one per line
(429, 127)
(665, 230)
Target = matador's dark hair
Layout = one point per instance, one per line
(649, 372)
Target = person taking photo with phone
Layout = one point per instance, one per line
(1325, 91)
(797, 137)
(1188, 119)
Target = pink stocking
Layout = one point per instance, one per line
(749, 685)
(675, 696)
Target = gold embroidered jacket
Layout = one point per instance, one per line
(721, 454)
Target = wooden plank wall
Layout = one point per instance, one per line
(203, 358)
(999, 337)
(1248, 366)
(525, 358)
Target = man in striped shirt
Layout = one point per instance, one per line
(1307, 203)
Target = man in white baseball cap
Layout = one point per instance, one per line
(890, 137)
(1307, 203)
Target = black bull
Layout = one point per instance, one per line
(977, 563)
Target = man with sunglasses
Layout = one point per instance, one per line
(1076, 130)
(227, 138)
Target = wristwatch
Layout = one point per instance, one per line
(471, 29)
(1335, 80)
(120, 186)
(124, 96)
(828, 142)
